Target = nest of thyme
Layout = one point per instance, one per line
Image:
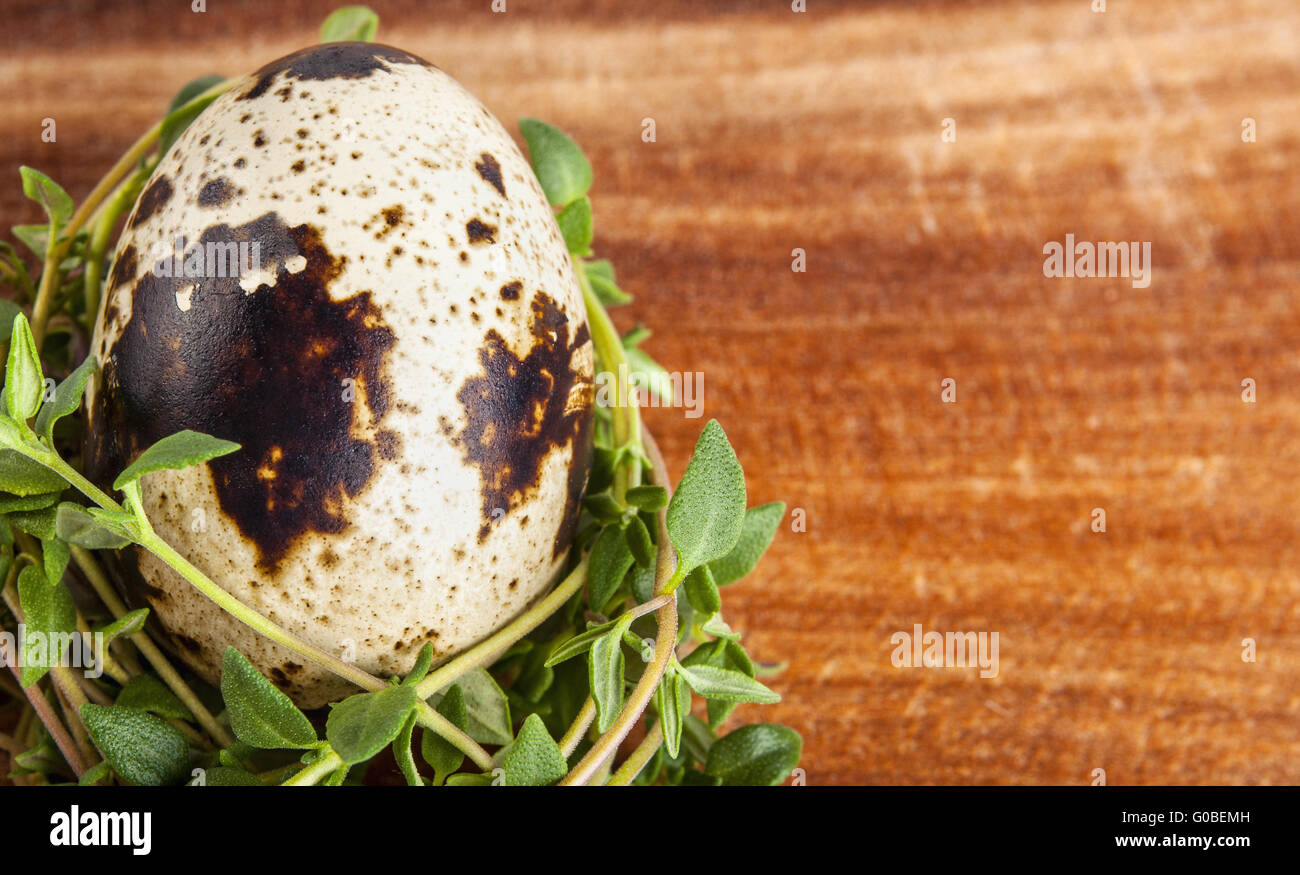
(596, 683)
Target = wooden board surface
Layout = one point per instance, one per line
(822, 131)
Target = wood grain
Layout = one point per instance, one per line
(821, 131)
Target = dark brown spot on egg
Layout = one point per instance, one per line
(479, 231)
(298, 166)
(283, 370)
(510, 291)
(490, 170)
(331, 61)
(187, 642)
(389, 444)
(523, 409)
(259, 139)
(154, 198)
(215, 193)
(392, 219)
(124, 268)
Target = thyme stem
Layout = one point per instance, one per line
(636, 761)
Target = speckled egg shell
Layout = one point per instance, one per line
(406, 364)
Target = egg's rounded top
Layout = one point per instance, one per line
(346, 265)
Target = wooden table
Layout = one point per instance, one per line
(822, 131)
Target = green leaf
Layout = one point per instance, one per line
(469, 780)
(697, 737)
(364, 724)
(580, 643)
(113, 519)
(707, 511)
(402, 753)
(39, 523)
(726, 684)
(37, 239)
(74, 525)
(436, 750)
(673, 701)
(67, 398)
(487, 707)
(51, 619)
(142, 748)
(603, 507)
(648, 498)
(636, 336)
(126, 625)
(561, 168)
(421, 667)
(696, 778)
(11, 433)
(96, 773)
(43, 757)
(606, 667)
(23, 476)
(767, 669)
(252, 759)
(600, 268)
(718, 627)
(647, 373)
(24, 381)
(638, 541)
(350, 24)
(147, 693)
(643, 582)
(703, 591)
(755, 537)
(180, 450)
(535, 677)
(736, 657)
(192, 89)
(758, 755)
(610, 560)
(179, 115)
(576, 226)
(727, 654)
(566, 696)
(534, 760)
(226, 776)
(56, 555)
(261, 715)
(49, 194)
(600, 274)
(602, 468)
(607, 293)
(11, 503)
